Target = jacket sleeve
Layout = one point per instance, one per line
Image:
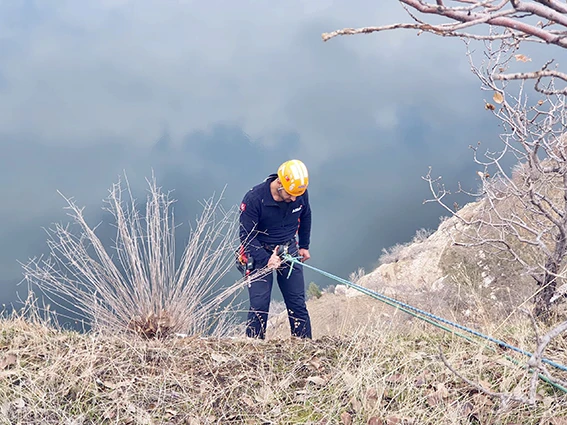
(249, 219)
(304, 232)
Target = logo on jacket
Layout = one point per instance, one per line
(242, 206)
(297, 209)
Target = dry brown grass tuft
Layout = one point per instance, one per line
(152, 325)
(139, 282)
(52, 376)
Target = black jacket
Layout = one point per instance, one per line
(263, 221)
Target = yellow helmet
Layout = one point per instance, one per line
(294, 177)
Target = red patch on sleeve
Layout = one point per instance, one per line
(242, 206)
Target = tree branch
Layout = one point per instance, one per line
(437, 30)
(489, 15)
(544, 341)
(553, 4)
(536, 75)
(541, 11)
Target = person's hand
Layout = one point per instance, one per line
(275, 261)
(304, 253)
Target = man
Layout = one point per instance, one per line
(272, 214)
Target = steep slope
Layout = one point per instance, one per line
(431, 273)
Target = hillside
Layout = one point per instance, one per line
(430, 273)
(368, 363)
(376, 376)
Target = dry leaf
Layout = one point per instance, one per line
(498, 98)
(442, 390)
(393, 420)
(356, 404)
(433, 399)
(8, 360)
(489, 106)
(248, 401)
(422, 379)
(349, 379)
(547, 402)
(374, 420)
(371, 397)
(346, 418)
(315, 362)
(395, 378)
(219, 358)
(522, 58)
(540, 102)
(481, 400)
(264, 395)
(419, 381)
(467, 408)
(317, 380)
(19, 403)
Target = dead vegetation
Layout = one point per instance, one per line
(138, 281)
(52, 376)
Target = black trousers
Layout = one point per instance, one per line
(293, 291)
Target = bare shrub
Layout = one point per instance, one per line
(400, 250)
(330, 289)
(421, 235)
(392, 254)
(138, 285)
(355, 276)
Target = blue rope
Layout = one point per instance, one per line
(385, 298)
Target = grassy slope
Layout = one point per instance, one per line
(374, 376)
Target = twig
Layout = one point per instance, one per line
(505, 398)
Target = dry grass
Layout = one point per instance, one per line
(139, 282)
(52, 376)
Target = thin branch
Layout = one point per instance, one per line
(437, 30)
(544, 342)
(505, 398)
(536, 75)
(531, 75)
